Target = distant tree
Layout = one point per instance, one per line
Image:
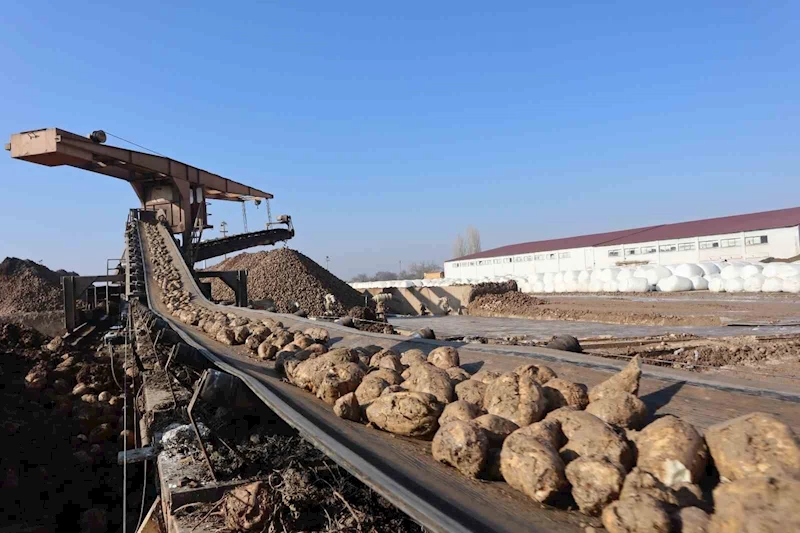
(473, 240)
(469, 244)
(384, 276)
(459, 247)
(417, 270)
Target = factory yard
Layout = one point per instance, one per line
(692, 309)
(736, 335)
(277, 398)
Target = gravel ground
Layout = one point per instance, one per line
(286, 276)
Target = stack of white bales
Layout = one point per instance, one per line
(738, 276)
(733, 276)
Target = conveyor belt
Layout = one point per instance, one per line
(234, 243)
(402, 469)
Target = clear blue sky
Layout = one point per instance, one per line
(387, 129)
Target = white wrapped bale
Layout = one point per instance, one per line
(609, 274)
(788, 270)
(624, 273)
(611, 286)
(548, 278)
(594, 275)
(549, 288)
(571, 285)
(699, 283)
(751, 270)
(716, 285)
(559, 286)
(595, 286)
(671, 268)
(754, 283)
(657, 273)
(634, 284)
(770, 270)
(689, 270)
(734, 285)
(792, 284)
(558, 277)
(708, 268)
(538, 286)
(584, 275)
(772, 285)
(641, 272)
(583, 286)
(537, 277)
(674, 284)
(731, 271)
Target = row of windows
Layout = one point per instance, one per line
(731, 243)
(644, 250)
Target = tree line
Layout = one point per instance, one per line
(466, 244)
(414, 271)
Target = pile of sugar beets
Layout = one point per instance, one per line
(543, 435)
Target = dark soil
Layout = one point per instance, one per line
(287, 277)
(491, 288)
(508, 304)
(26, 286)
(53, 476)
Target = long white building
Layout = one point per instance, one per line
(753, 237)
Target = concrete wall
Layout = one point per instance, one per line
(781, 243)
(407, 301)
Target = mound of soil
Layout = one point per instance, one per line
(27, 287)
(286, 276)
(506, 304)
(491, 288)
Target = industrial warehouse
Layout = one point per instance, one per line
(752, 237)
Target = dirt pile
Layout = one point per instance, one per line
(491, 288)
(286, 276)
(509, 303)
(26, 287)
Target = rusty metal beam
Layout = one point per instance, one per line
(56, 147)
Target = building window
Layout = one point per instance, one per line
(728, 243)
(564, 255)
(539, 257)
(685, 246)
(510, 259)
(668, 247)
(648, 249)
(758, 239)
(631, 251)
(472, 263)
(551, 256)
(705, 245)
(613, 253)
(528, 258)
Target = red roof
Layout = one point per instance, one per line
(780, 218)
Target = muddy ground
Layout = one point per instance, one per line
(699, 308)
